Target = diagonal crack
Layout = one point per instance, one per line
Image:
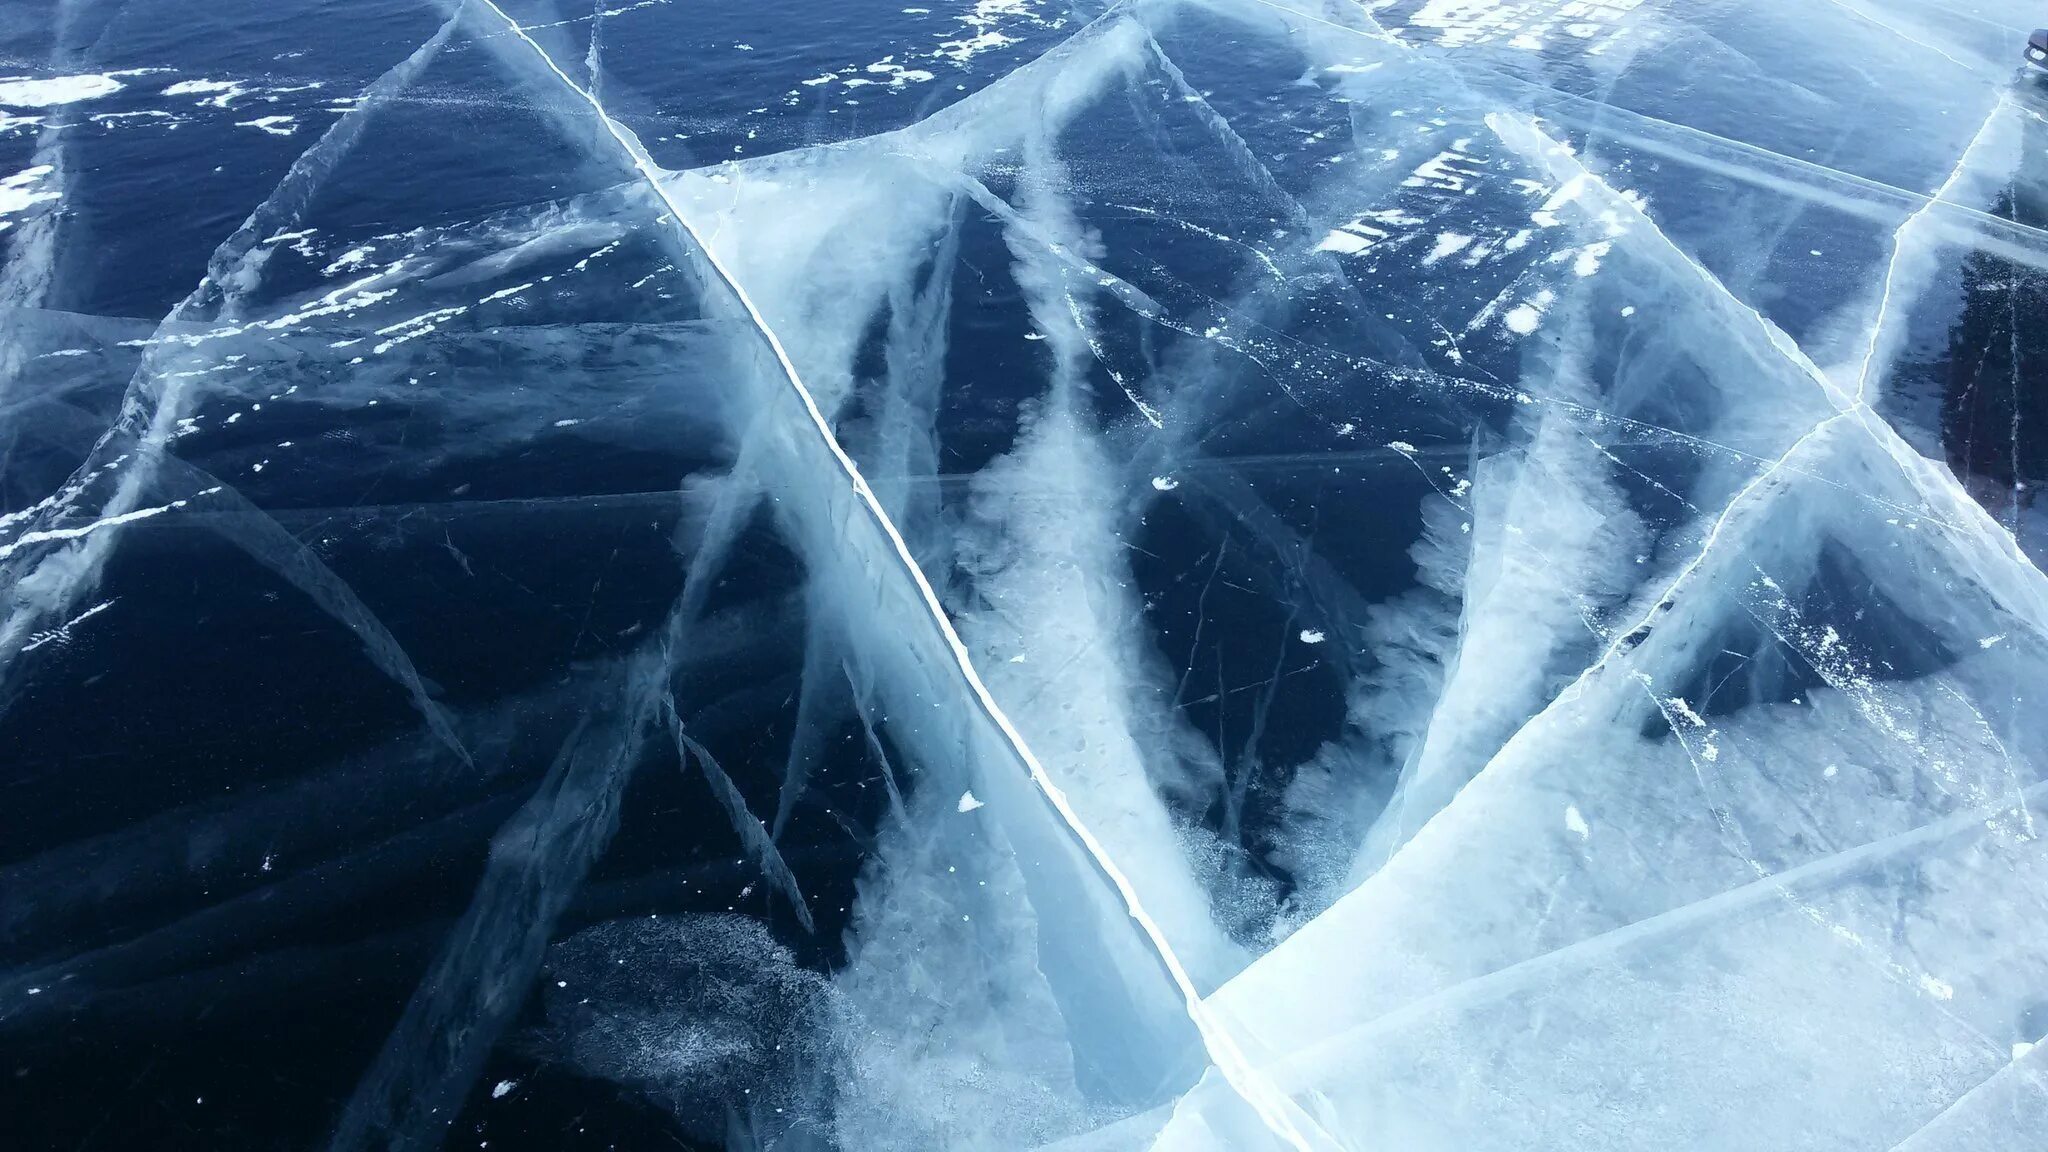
(155, 402)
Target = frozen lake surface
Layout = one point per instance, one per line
(1439, 575)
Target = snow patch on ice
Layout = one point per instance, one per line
(217, 93)
(1350, 240)
(347, 260)
(1448, 244)
(1525, 317)
(25, 92)
(273, 125)
(989, 26)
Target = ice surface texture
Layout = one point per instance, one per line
(1173, 574)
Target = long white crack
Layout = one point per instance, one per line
(1879, 326)
(1275, 1110)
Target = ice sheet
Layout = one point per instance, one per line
(1171, 574)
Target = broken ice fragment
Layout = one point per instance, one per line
(968, 803)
